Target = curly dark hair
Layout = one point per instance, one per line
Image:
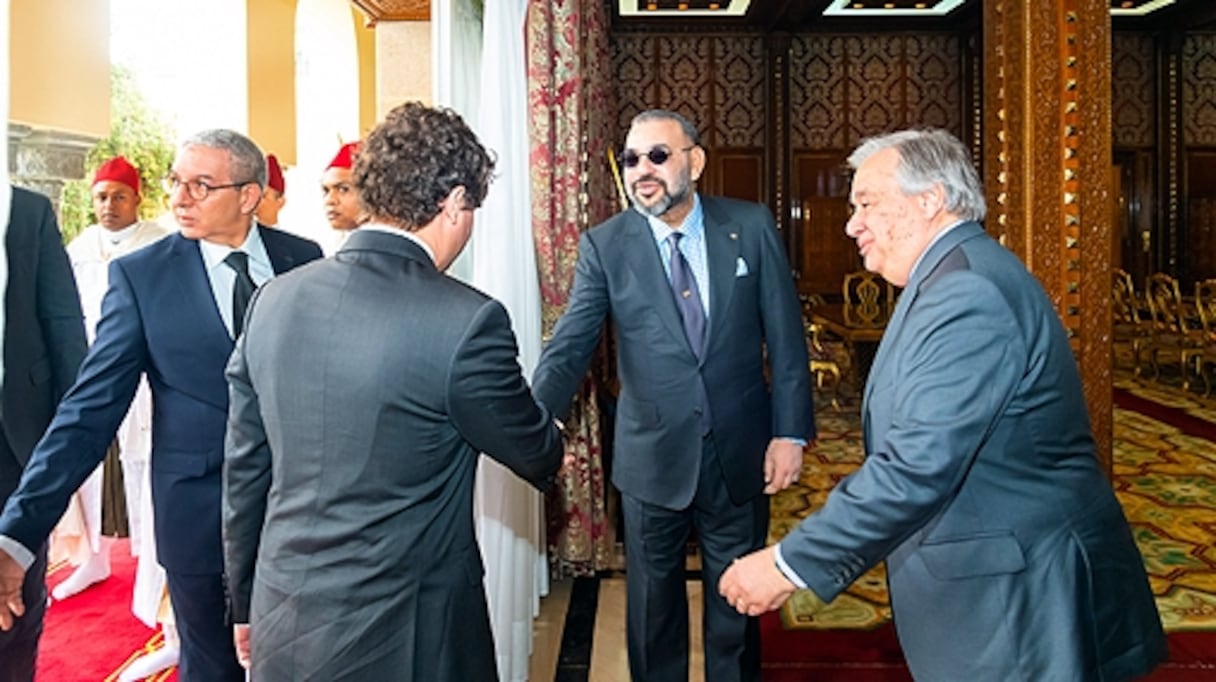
(410, 163)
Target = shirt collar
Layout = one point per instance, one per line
(214, 254)
(936, 238)
(116, 237)
(692, 227)
(389, 229)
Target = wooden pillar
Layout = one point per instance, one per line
(1047, 168)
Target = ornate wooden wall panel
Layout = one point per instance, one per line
(636, 79)
(686, 78)
(875, 86)
(817, 92)
(845, 88)
(934, 82)
(739, 92)
(1134, 92)
(1199, 90)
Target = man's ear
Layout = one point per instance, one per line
(696, 159)
(933, 200)
(453, 203)
(251, 194)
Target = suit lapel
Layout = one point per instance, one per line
(644, 260)
(198, 302)
(937, 252)
(722, 253)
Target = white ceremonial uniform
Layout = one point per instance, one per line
(79, 533)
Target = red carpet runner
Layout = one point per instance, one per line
(93, 636)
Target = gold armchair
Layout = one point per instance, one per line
(1205, 354)
(1170, 331)
(1128, 326)
(824, 367)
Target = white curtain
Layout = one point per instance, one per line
(502, 262)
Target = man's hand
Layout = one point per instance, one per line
(240, 638)
(782, 465)
(754, 585)
(12, 576)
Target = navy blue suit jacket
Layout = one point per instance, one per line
(160, 318)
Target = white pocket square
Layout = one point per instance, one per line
(741, 267)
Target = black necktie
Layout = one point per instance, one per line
(688, 298)
(242, 289)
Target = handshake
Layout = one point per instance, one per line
(755, 584)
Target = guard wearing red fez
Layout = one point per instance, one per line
(108, 504)
(341, 201)
(274, 198)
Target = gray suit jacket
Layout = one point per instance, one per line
(362, 391)
(754, 317)
(1008, 556)
(43, 326)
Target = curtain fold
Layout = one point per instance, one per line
(479, 71)
(509, 511)
(571, 98)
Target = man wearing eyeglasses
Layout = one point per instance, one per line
(699, 292)
(172, 312)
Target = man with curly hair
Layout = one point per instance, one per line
(363, 390)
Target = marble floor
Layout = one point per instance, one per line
(587, 644)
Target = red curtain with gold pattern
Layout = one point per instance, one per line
(570, 93)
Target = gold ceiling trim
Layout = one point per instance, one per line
(702, 8)
(394, 10)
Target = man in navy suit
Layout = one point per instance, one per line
(700, 294)
(172, 312)
(1007, 553)
(43, 342)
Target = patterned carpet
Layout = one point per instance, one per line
(1165, 477)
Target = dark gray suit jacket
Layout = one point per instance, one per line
(44, 338)
(753, 307)
(363, 389)
(1008, 556)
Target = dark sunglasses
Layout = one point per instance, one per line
(657, 155)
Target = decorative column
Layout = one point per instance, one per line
(1047, 163)
(402, 52)
(43, 160)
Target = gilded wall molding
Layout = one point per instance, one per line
(1047, 151)
(394, 10)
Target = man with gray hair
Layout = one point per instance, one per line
(1008, 555)
(172, 312)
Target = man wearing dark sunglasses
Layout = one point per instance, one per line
(172, 312)
(699, 291)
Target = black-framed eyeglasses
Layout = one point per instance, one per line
(197, 189)
(658, 155)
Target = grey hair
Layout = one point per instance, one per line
(689, 129)
(248, 162)
(929, 157)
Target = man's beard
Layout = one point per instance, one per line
(667, 200)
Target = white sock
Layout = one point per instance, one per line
(95, 570)
(150, 663)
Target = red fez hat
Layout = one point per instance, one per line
(274, 174)
(345, 157)
(118, 169)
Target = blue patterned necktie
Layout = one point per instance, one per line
(242, 289)
(688, 297)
